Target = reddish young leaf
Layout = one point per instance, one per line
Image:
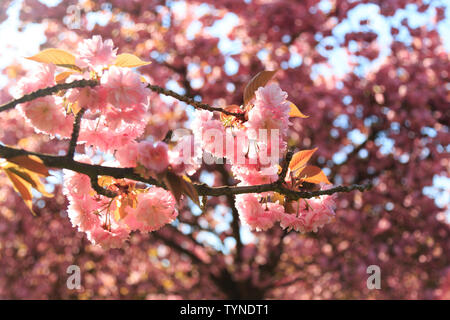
(58, 57)
(31, 163)
(295, 112)
(312, 174)
(32, 178)
(299, 159)
(22, 187)
(175, 184)
(226, 119)
(190, 191)
(260, 80)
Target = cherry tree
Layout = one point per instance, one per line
(164, 184)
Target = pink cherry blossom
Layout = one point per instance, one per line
(155, 208)
(309, 215)
(42, 76)
(185, 157)
(96, 53)
(46, 116)
(254, 214)
(271, 95)
(125, 88)
(108, 238)
(127, 155)
(271, 114)
(76, 185)
(153, 156)
(98, 134)
(94, 99)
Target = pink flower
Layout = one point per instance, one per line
(155, 208)
(98, 134)
(82, 206)
(108, 238)
(91, 213)
(270, 95)
(318, 215)
(81, 213)
(90, 98)
(76, 185)
(186, 156)
(276, 209)
(132, 114)
(96, 53)
(309, 215)
(291, 222)
(153, 157)
(201, 117)
(251, 174)
(270, 114)
(125, 88)
(127, 155)
(252, 213)
(42, 76)
(210, 133)
(46, 116)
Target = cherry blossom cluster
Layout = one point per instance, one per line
(260, 214)
(404, 98)
(253, 149)
(108, 222)
(114, 121)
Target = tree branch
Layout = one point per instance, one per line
(93, 171)
(75, 133)
(285, 168)
(192, 102)
(62, 162)
(47, 92)
(100, 190)
(92, 83)
(235, 226)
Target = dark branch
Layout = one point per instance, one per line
(92, 83)
(235, 226)
(47, 92)
(100, 190)
(285, 168)
(192, 102)
(62, 162)
(75, 133)
(93, 171)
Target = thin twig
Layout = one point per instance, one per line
(47, 92)
(92, 83)
(285, 168)
(75, 133)
(100, 190)
(192, 102)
